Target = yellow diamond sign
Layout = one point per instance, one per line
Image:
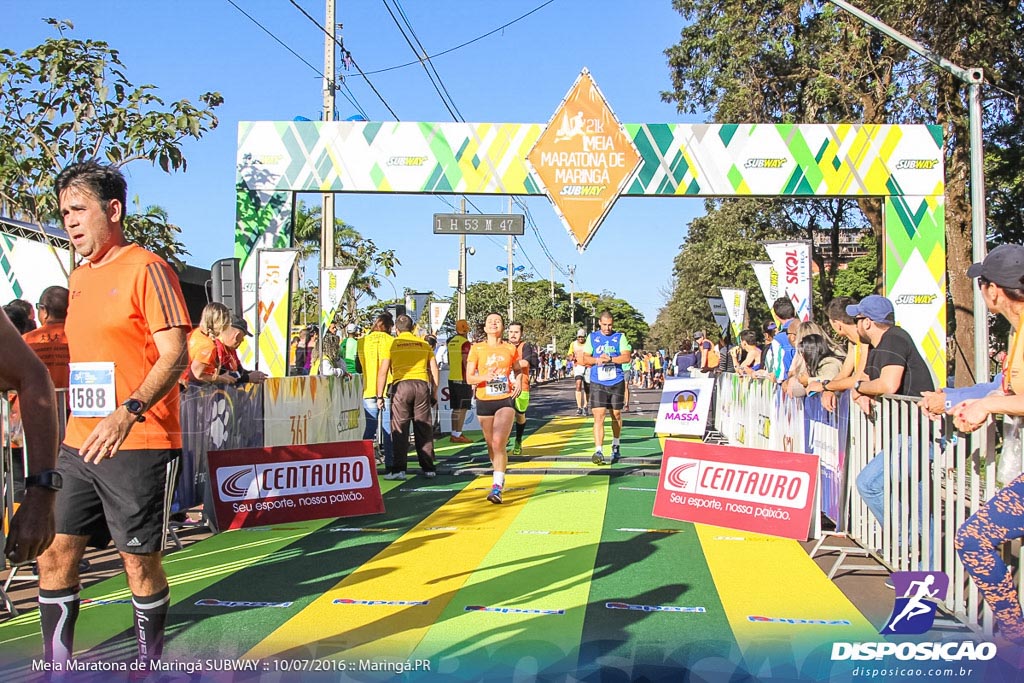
(583, 159)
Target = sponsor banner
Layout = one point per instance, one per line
(333, 283)
(416, 305)
(29, 266)
(283, 484)
(792, 262)
(736, 305)
(215, 418)
(313, 409)
(583, 159)
(720, 312)
(685, 406)
(438, 312)
(752, 490)
(273, 279)
(768, 279)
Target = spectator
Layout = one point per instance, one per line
(28, 311)
(781, 350)
(856, 353)
(751, 362)
(894, 366)
(49, 341)
(821, 364)
(371, 350)
(227, 343)
(349, 348)
(18, 318)
(203, 367)
(685, 359)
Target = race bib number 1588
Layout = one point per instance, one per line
(91, 390)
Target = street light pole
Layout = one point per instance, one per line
(462, 270)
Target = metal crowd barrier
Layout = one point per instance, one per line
(934, 479)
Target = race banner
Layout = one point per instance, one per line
(275, 267)
(277, 485)
(752, 490)
(826, 433)
(313, 409)
(768, 279)
(438, 312)
(720, 312)
(333, 283)
(736, 305)
(416, 304)
(685, 406)
(792, 263)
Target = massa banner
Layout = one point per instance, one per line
(685, 406)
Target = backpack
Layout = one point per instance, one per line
(714, 357)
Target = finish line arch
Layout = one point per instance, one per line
(902, 164)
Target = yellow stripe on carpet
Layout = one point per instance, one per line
(774, 595)
(391, 601)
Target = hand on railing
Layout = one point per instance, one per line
(969, 415)
(933, 404)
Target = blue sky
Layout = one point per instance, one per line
(519, 74)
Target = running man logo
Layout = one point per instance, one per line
(765, 163)
(917, 164)
(917, 594)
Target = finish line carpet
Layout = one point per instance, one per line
(571, 576)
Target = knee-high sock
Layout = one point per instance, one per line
(520, 428)
(58, 612)
(150, 618)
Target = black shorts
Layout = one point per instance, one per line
(612, 397)
(460, 394)
(120, 499)
(491, 408)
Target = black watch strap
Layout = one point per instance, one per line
(47, 479)
(136, 408)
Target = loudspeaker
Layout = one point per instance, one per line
(395, 310)
(227, 284)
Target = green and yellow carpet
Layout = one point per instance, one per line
(571, 577)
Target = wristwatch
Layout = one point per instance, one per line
(856, 385)
(47, 479)
(136, 408)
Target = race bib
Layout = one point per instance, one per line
(606, 373)
(91, 390)
(497, 386)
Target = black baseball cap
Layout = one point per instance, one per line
(1003, 266)
(240, 324)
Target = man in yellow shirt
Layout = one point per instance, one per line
(370, 350)
(414, 391)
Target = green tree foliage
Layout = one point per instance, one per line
(70, 100)
(152, 228)
(808, 61)
(350, 249)
(715, 254)
(858, 278)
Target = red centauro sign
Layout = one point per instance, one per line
(740, 488)
(258, 486)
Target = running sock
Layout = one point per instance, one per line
(615, 442)
(58, 612)
(499, 479)
(150, 617)
(456, 433)
(520, 428)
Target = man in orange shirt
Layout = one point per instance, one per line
(126, 330)
(49, 341)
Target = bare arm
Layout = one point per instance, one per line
(435, 376)
(112, 430)
(382, 376)
(32, 527)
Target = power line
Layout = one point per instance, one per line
(427, 59)
(468, 42)
(352, 100)
(348, 56)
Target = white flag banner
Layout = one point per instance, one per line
(768, 278)
(720, 312)
(272, 280)
(333, 283)
(416, 305)
(792, 261)
(438, 312)
(736, 305)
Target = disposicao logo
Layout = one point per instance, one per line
(917, 594)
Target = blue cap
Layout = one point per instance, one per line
(875, 308)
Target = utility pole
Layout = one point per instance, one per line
(327, 209)
(462, 270)
(511, 308)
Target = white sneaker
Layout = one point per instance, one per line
(395, 475)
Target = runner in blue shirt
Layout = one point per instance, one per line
(604, 354)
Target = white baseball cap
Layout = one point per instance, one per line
(581, 332)
(352, 327)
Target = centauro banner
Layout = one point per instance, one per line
(736, 305)
(792, 262)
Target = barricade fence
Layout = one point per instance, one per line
(928, 478)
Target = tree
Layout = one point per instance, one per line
(350, 249)
(151, 228)
(716, 253)
(807, 61)
(69, 100)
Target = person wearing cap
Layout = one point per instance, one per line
(460, 393)
(893, 366)
(845, 326)
(579, 371)
(348, 350)
(227, 344)
(980, 539)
